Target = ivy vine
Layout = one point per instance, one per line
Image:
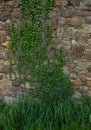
(30, 45)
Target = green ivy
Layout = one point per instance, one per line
(30, 45)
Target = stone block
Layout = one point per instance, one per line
(75, 2)
(5, 84)
(87, 55)
(16, 83)
(4, 15)
(3, 36)
(5, 44)
(5, 26)
(77, 95)
(10, 3)
(89, 41)
(87, 28)
(88, 20)
(9, 99)
(89, 83)
(15, 14)
(89, 68)
(89, 94)
(76, 52)
(5, 69)
(88, 2)
(75, 21)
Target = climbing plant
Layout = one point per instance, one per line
(30, 46)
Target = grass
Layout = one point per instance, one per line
(36, 115)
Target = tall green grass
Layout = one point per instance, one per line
(2, 107)
(36, 115)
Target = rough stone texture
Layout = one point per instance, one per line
(4, 15)
(76, 52)
(71, 28)
(75, 21)
(2, 36)
(5, 84)
(15, 14)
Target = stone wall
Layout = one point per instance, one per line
(8, 10)
(71, 28)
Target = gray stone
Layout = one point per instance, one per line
(10, 3)
(19, 94)
(75, 2)
(27, 85)
(4, 16)
(88, 2)
(9, 99)
(88, 20)
(61, 21)
(87, 28)
(15, 83)
(89, 41)
(73, 42)
(77, 95)
(1, 77)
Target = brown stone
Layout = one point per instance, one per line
(54, 24)
(58, 2)
(84, 76)
(64, 2)
(83, 13)
(3, 36)
(5, 85)
(3, 54)
(5, 44)
(76, 52)
(7, 62)
(9, 55)
(67, 13)
(84, 82)
(87, 55)
(72, 12)
(76, 87)
(7, 92)
(89, 83)
(5, 26)
(89, 69)
(77, 82)
(83, 88)
(87, 75)
(5, 69)
(4, 15)
(75, 21)
(82, 42)
(15, 14)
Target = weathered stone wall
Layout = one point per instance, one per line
(8, 10)
(71, 28)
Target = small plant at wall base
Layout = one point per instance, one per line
(30, 45)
